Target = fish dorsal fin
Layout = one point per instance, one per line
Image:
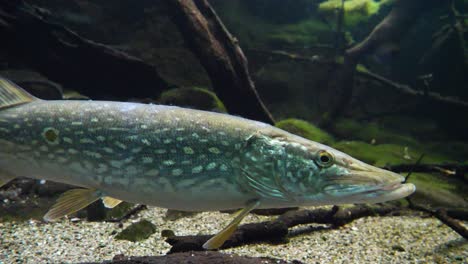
(72, 201)
(110, 202)
(11, 94)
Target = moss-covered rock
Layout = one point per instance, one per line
(370, 133)
(305, 129)
(389, 154)
(356, 11)
(137, 231)
(193, 97)
(119, 211)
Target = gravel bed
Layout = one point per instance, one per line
(401, 239)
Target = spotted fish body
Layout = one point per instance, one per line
(158, 155)
(176, 158)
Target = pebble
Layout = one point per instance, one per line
(400, 239)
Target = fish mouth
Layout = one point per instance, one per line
(368, 184)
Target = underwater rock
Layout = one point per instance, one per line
(305, 129)
(119, 211)
(390, 154)
(137, 231)
(193, 97)
(196, 257)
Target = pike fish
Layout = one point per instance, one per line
(176, 158)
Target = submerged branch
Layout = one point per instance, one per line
(449, 169)
(277, 231)
(221, 56)
(402, 88)
(446, 216)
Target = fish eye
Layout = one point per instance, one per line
(324, 159)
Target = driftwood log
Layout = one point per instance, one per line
(221, 56)
(195, 257)
(65, 57)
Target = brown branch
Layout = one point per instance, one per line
(65, 57)
(391, 30)
(403, 88)
(452, 169)
(277, 231)
(455, 225)
(220, 55)
(446, 216)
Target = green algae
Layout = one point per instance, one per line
(193, 97)
(137, 232)
(119, 211)
(356, 11)
(389, 154)
(305, 129)
(300, 34)
(370, 132)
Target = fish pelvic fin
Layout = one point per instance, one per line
(72, 201)
(110, 202)
(12, 95)
(218, 240)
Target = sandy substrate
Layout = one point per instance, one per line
(367, 240)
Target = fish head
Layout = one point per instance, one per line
(315, 174)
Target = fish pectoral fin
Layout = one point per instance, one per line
(72, 201)
(218, 240)
(110, 202)
(5, 178)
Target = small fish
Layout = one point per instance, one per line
(176, 158)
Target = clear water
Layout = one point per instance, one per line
(406, 99)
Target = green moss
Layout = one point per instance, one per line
(137, 231)
(305, 129)
(356, 11)
(370, 132)
(300, 34)
(193, 97)
(388, 154)
(119, 211)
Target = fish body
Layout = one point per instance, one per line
(158, 155)
(176, 158)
